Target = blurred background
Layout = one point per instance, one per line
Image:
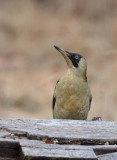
(30, 66)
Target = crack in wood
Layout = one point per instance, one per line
(14, 133)
(83, 141)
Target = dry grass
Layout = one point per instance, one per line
(30, 66)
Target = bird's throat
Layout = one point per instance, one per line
(76, 72)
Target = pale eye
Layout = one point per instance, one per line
(76, 57)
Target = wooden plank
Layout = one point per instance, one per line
(65, 131)
(52, 139)
(9, 153)
(9, 143)
(104, 149)
(9, 150)
(111, 156)
(35, 149)
(58, 153)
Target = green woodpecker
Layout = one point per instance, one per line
(72, 96)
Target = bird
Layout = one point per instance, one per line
(72, 96)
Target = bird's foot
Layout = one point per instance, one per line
(96, 119)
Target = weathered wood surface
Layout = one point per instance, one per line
(111, 156)
(24, 139)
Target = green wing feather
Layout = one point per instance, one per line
(53, 102)
(90, 100)
(54, 97)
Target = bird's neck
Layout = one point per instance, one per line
(78, 73)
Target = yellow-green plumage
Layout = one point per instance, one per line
(72, 96)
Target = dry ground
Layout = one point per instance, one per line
(30, 66)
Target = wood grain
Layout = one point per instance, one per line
(34, 139)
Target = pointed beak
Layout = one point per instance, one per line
(65, 54)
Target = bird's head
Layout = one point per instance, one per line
(75, 62)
